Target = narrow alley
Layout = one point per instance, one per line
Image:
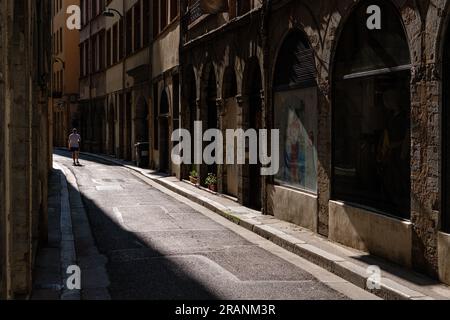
(150, 245)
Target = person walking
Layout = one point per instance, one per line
(74, 146)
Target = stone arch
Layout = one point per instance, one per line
(403, 16)
(379, 75)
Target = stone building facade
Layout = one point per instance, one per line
(129, 80)
(127, 53)
(25, 155)
(361, 113)
(66, 73)
(165, 84)
(92, 83)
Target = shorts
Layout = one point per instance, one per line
(74, 149)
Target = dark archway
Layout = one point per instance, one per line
(128, 126)
(371, 114)
(189, 111)
(111, 130)
(164, 140)
(253, 119)
(209, 114)
(141, 118)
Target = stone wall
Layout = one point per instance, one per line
(258, 36)
(25, 162)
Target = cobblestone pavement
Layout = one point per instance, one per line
(159, 247)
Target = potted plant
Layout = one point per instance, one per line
(211, 182)
(193, 176)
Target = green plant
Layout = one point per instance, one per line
(194, 173)
(211, 180)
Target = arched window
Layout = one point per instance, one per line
(371, 118)
(295, 113)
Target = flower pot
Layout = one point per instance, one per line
(193, 180)
(213, 187)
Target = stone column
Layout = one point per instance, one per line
(243, 170)
(221, 168)
(425, 167)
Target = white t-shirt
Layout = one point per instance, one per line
(74, 140)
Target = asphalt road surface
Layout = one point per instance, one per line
(160, 246)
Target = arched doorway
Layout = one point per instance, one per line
(371, 114)
(189, 112)
(253, 119)
(445, 223)
(230, 172)
(209, 114)
(164, 141)
(141, 131)
(295, 113)
(111, 130)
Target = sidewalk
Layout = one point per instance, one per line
(397, 283)
(70, 244)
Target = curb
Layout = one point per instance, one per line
(68, 251)
(347, 270)
(94, 277)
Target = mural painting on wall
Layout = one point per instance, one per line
(297, 121)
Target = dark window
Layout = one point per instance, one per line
(121, 40)
(146, 22)
(155, 18)
(129, 33)
(371, 119)
(101, 51)
(108, 47)
(173, 9)
(243, 6)
(164, 7)
(115, 43)
(137, 26)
